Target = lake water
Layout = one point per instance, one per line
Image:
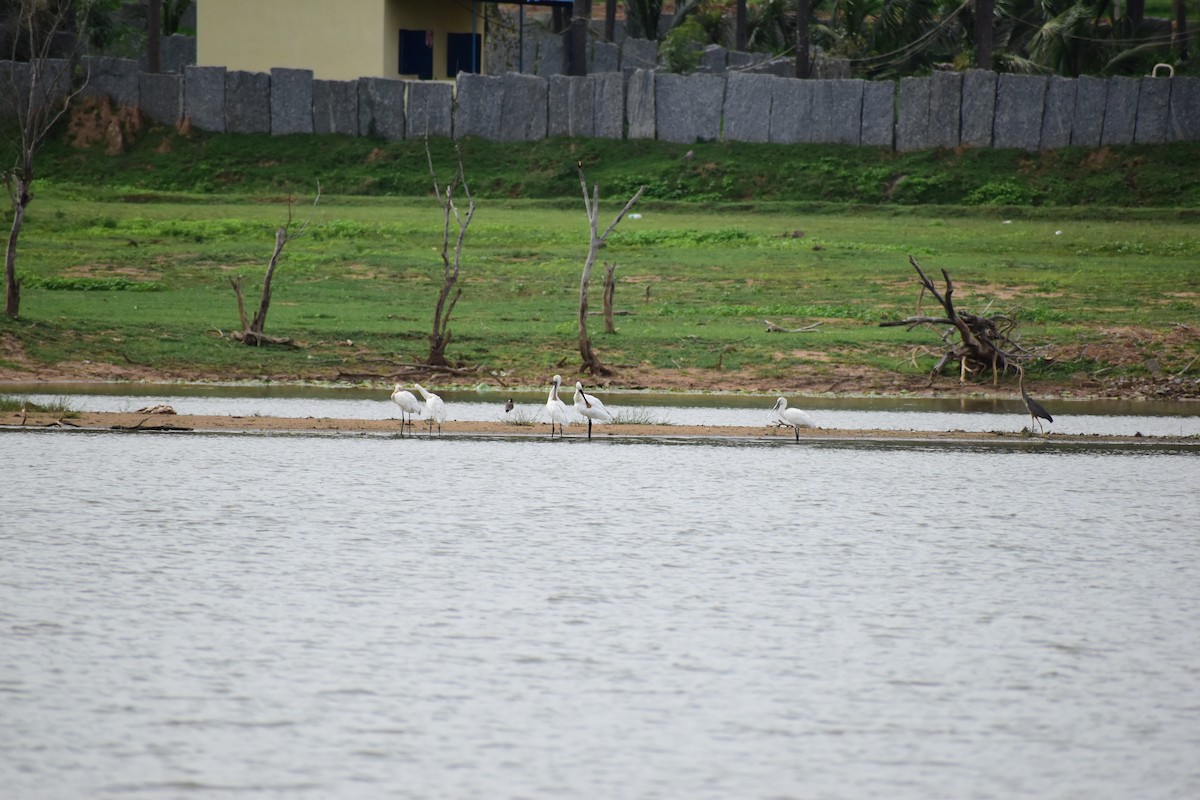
(317, 616)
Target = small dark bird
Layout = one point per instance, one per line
(1035, 408)
(508, 406)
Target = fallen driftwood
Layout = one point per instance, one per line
(142, 426)
(773, 328)
(984, 342)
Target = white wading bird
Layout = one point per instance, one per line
(590, 407)
(408, 405)
(556, 409)
(435, 409)
(790, 417)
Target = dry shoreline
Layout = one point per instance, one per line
(143, 422)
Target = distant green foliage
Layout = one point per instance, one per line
(683, 47)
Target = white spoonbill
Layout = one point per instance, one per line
(435, 409)
(590, 407)
(556, 409)
(408, 405)
(791, 417)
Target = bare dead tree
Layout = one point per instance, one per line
(252, 331)
(591, 362)
(610, 289)
(440, 337)
(984, 342)
(39, 94)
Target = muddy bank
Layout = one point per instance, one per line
(142, 422)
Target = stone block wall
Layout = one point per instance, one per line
(944, 110)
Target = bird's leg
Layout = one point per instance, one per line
(797, 433)
(589, 429)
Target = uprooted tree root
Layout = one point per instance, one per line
(984, 341)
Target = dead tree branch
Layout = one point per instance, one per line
(773, 328)
(252, 334)
(610, 289)
(984, 341)
(591, 204)
(440, 337)
(36, 92)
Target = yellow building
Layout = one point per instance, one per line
(343, 39)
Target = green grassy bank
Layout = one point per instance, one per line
(1161, 176)
(125, 259)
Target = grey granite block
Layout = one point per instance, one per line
(115, 78)
(430, 110)
(1059, 113)
(978, 113)
(1183, 114)
(1020, 102)
(177, 52)
(603, 57)
(712, 60)
(291, 101)
(640, 114)
(381, 108)
(846, 112)
(688, 107)
(639, 54)
(335, 107)
(912, 118)
(608, 91)
(736, 60)
(878, 114)
(559, 106)
(1120, 112)
(54, 80)
(945, 109)
(827, 68)
(748, 107)
(247, 102)
(160, 97)
(478, 104)
(204, 97)
(1153, 108)
(791, 107)
(1091, 97)
(523, 108)
(14, 88)
(549, 55)
(820, 112)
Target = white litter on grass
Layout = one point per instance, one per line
(635, 216)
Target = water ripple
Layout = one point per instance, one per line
(324, 617)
